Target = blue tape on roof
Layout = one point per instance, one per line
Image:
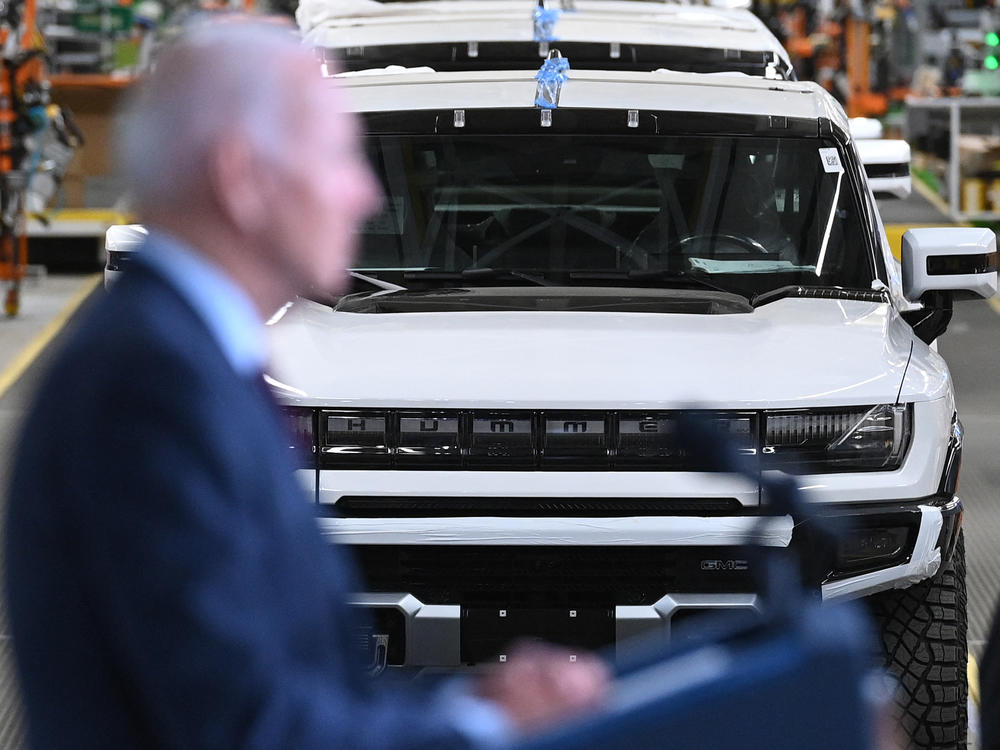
(551, 76)
(545, 24)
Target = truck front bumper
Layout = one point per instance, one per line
(464, 595)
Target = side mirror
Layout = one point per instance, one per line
(120, 241)
(887, 164)
(949, 259)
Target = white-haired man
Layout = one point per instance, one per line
(167, 585)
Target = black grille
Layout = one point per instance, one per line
(361, 506)
(570, 440)
(528, 576)
(577, 440)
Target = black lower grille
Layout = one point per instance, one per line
(529, 576)
(368, 506)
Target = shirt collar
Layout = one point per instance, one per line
(219, 301)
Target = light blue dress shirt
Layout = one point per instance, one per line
(220, 302)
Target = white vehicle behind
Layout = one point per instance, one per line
(517, 34)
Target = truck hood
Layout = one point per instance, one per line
(793, 352)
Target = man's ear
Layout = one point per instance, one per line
(239, 186)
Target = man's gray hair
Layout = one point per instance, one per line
(220, 78)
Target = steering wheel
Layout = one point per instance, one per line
(748, 243)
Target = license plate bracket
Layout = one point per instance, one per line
(488, 632)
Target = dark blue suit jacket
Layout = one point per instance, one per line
(167, 584)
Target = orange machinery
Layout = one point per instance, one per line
(20, 79)
(861, 100)
(839, 43)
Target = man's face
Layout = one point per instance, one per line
(324, 190)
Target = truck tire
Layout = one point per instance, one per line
(923, 630)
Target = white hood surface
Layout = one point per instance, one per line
(789, 353)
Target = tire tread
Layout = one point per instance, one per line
(923, 630)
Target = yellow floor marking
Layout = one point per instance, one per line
(28, 355)
(106, 215)
(894, 233)
(973, 671)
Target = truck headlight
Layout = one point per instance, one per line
(807, 441)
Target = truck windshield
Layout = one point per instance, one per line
(748, 214)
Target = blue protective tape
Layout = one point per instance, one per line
(545, 24)
(551, 76)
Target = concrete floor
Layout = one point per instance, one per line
(46, 302)
(972, 348)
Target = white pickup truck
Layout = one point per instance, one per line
(565, 262)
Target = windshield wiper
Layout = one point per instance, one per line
(477, 274)
(657, 274)
(818, 292)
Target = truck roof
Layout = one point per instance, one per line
(332, 25)
(716, 93)
(490, 20)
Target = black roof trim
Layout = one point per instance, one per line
(586, 121)
(454, 56)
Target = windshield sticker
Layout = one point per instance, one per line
(831, 160)
(746, 266)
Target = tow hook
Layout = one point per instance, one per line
(380, 656)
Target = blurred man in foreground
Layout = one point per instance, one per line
(167, 583)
